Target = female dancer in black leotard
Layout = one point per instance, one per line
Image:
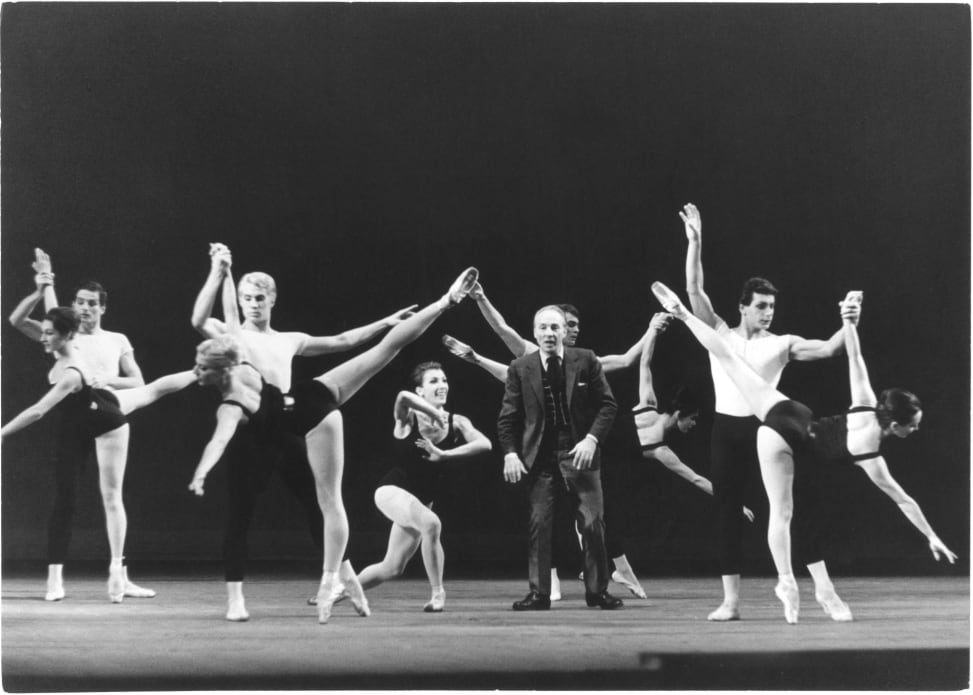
(788, 430)
(431, 438)
(86, 413)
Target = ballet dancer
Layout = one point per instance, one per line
(655, 427)
(789, 438)
(431, 439)
(312, 407)
(733, 454)
(109, 354)
(623, 573)
(87, 414)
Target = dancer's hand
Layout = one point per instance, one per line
(42, 280)
(433, 452)
(584, 453)
(221, 259)
(42, 262)
(747, 512)
(851, 310)
(400, 315)
(937, 547)
(197, 486)
(660, 321)
(513, 468)
(476, 294)
(97, 382)
(692, 221)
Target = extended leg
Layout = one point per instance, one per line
(112, 452)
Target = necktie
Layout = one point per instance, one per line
(554, 374)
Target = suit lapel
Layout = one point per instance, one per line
(534, 377)
(570, 373)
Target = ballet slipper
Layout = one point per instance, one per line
(834, 607)
(133, 590)
(236, 611)
(555, 586)
(55, 592)
(326, 598)
(791, 598)
(669, 300)
(725, 613)
(458, 348)
(462, 285)
(631, 584)
(116, 584)
(437, 604)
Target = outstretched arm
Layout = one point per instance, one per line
(803, 350)
(667, 457)
(42, 266)
(517, 344)
(614, 363)
(698, 299)
(878, 472)
(20, 317)
(228, 417)
(476, 442)
(457, 348)
(202, 319)
(67, 384)
(861, 388)
(323, 345)
(658, 324)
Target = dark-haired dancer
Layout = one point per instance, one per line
(655, 425)
(431, 438)
(313, 411)
(734, 436)
(87, 414)
(111, 360)
(788, 434)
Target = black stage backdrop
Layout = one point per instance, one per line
(364, 154)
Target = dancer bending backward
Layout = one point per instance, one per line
(314, 411)
(623, 574)
(654, 427)
(87, 413)
(431, 438)
(112, 363)
(788, 434)
(734, 436)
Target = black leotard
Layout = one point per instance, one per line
(414, 472)
(92, 411)
(830, 438)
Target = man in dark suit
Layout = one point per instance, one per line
(557, 407)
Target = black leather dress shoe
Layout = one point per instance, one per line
(533, 602)
(604, 600)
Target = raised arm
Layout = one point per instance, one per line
(405, 403)
(67, 384)
(228, 417)
(698, 299)
(517, 344)
(458, 348)
(614, 363)
(657, 325)
(804, 350)
(322, 345)
(878, 471)
(20, 317)
(861, 388)
(231, 312)
(42, 266)
(202, 319)
(476, 443)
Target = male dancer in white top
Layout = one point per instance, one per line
(734, 437)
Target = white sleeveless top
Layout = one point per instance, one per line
(767, 356)
(272, 354)
(102, 352)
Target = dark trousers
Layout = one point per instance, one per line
(551, 470)
(74, 447)
(250, 464)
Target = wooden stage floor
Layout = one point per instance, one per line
(909, 633)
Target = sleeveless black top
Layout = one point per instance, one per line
(830, 438)
(414, 472)
(91, 412)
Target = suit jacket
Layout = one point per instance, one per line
(591, 405)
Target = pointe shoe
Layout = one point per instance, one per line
(458, 348)
(462, 286)
(834, 607)
(116, 585)
(555, 587)
(791, 598)
(54, 592)
(133, 590)
(437, 604)
(326, 598)
(356, 594)
(313, 600)
(724, 614)
(236, 611)
(669, 300)
(634, 587)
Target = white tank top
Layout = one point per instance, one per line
(102, 352)
(767, 356)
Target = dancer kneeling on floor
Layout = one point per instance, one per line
(430, 439)
(788, 433)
